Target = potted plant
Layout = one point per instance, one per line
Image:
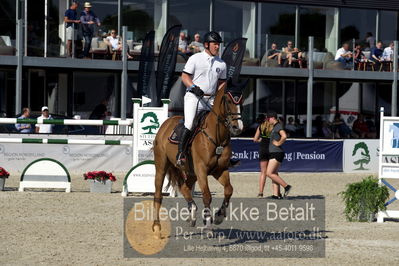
(3, 175)
(364, 199)
(100, 181)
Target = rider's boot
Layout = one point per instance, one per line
(181, 158)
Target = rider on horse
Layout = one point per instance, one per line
(203, 74)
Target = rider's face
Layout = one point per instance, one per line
(214, 48)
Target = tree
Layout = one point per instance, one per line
(365, 155)
(348, 33)
(152, 119)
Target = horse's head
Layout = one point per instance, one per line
(233, 101)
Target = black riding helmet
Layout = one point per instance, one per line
(212, 36)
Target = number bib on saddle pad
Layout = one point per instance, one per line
(177, 131)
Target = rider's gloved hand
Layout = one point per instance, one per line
(197, 91)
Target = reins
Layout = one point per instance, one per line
(226, 121)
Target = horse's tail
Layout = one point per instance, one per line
(175, 177)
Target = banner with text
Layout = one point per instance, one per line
(300, 156)
(77, 158)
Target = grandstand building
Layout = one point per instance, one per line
(39, 72)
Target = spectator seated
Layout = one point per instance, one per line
(266, 62)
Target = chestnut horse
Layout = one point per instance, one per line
(210, 155)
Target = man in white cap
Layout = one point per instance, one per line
(88, 19)
(44, 128)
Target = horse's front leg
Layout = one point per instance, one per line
(224, 179)
(161, 169)
(202, 179)
(187, 191)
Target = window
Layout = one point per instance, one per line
(138, 16)
(356, 23)
(192, 22)
(278, 22)
(321, 23)
(388, 26)
(229, 18)
(7, 19)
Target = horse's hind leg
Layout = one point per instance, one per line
(187, 190)
(161, 167)
(224, 179)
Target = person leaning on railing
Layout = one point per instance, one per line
(45, 128)
(71, 23)
(88, 19)
(24, 128)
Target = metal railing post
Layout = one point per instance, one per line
(124, 73)
(309, 110)
(394, 105)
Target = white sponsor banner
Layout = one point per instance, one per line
(390, 141)
(147, 122)
(361, 155)
(150, 119)
(77, 158)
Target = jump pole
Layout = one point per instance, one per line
(76, 122)
(67, 141)
(388, 167)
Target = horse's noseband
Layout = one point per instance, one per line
(237, 99)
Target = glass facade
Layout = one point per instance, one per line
(277, 25)
(138, 16)
(193, 22)
(318, 22)
(388, 26)
(262, 23)
(356, 23)
(7, 27)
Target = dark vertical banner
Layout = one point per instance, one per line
(167, 62)
(144, 85)
(233, 55)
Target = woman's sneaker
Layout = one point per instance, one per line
(276, 197)
(287, 190)
(260, 195)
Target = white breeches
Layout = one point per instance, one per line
(192, 107)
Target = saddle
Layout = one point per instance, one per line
(175, 137)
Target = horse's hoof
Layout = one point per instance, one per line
(208, 221)
(218, 219)
(192, 222)
(156, 229)
(220, 215)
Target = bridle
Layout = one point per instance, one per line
(225, 119)
(237, 100)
